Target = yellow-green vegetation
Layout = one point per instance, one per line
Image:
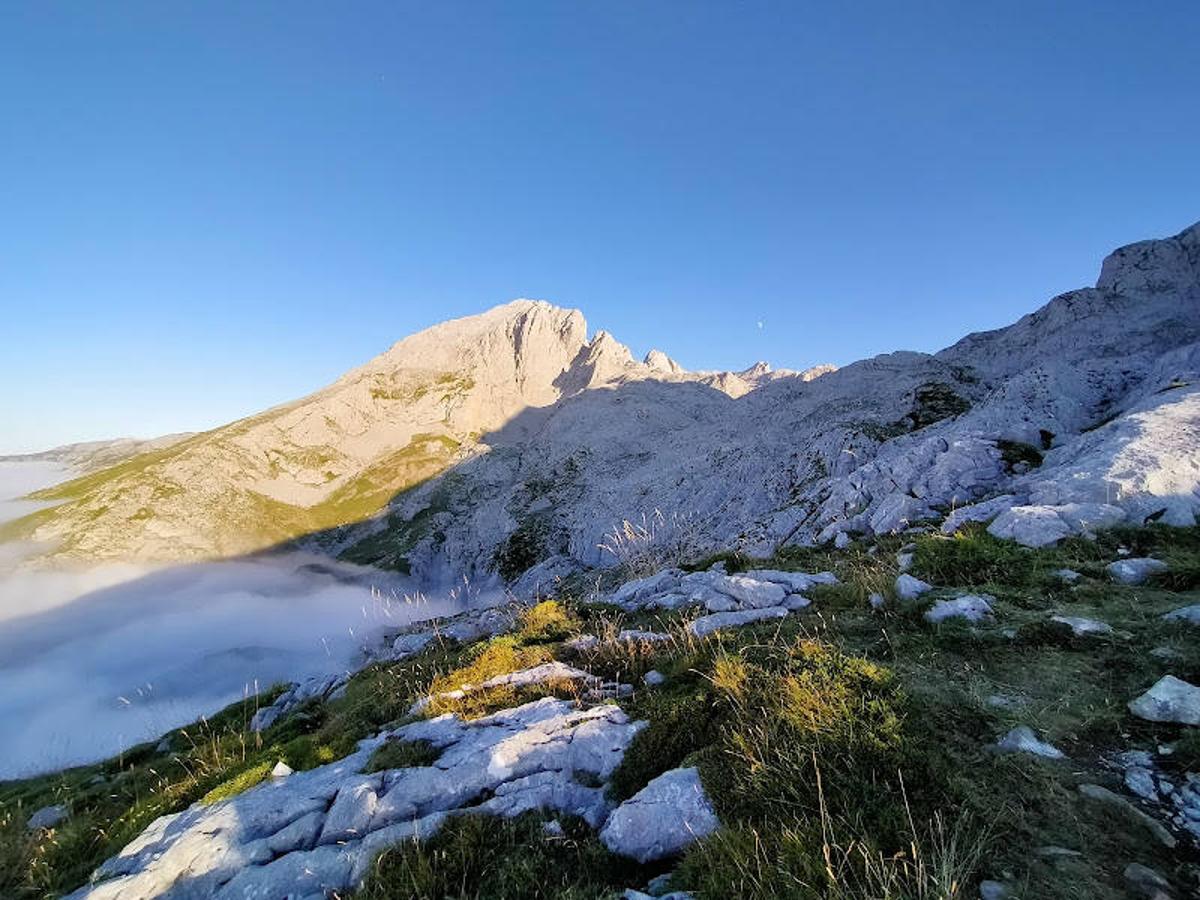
(533, 641)
(242, 781)
(409, 388)
(244, 520)
(845, 749)
(547, 622)
(498, 656)
(371, 490)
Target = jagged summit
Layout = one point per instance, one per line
(426, 403)
(659, 361)
(519, 396)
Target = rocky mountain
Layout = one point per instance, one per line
(507, 441)
(339, 456)
(88, 456)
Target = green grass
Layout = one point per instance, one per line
(402, 754)
(242, 781)
(478, 857)
(844, 748)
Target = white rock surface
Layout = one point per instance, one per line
(1170, 699)
(1081, 627)
(662, 818)
(1187, 614)
(909, 587)
(1135, 570)
(1022, 740)
(706, 625)
(317, 831)
(971, 607)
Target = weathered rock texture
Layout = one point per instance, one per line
(509, 440)
(316, 832)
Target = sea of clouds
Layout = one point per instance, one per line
(94, 660)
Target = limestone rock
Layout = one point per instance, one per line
(662, 818)
(47, 817)
(1023, 740)
(706, 625)
(910, 588)
(1170, 699)
(1147, 882)
(1081, 627)
(796, 602)
(1031, 526)
(1117, 802)
(1136, 570)
(751, 593)
(316, 832)
(970, 607)
(1187, 614)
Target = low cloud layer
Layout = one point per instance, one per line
(95, 660)
(96, 671)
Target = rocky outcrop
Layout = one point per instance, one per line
(512, 435)
(316, 832)
(1170, 699)
(662, 818)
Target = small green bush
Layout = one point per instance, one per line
(1014, 452)
(521, 550)
(547, 622)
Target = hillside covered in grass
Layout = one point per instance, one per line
(846, 747)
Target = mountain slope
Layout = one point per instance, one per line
(88, 456)
(505, 440)
(871, 448)
(339, 455)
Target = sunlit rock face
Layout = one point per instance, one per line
(491, 444)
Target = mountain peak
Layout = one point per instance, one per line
(660, 362)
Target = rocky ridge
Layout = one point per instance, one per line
(511, 436)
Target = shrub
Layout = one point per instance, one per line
(521, 550)
(547, 622)
(1014, 452)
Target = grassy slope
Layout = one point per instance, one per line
(830, 743)
(248, 519)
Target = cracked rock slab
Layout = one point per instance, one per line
(1170, 699)
(662, 818)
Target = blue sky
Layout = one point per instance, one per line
(209, 208)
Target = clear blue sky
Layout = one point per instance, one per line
(208, 208)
